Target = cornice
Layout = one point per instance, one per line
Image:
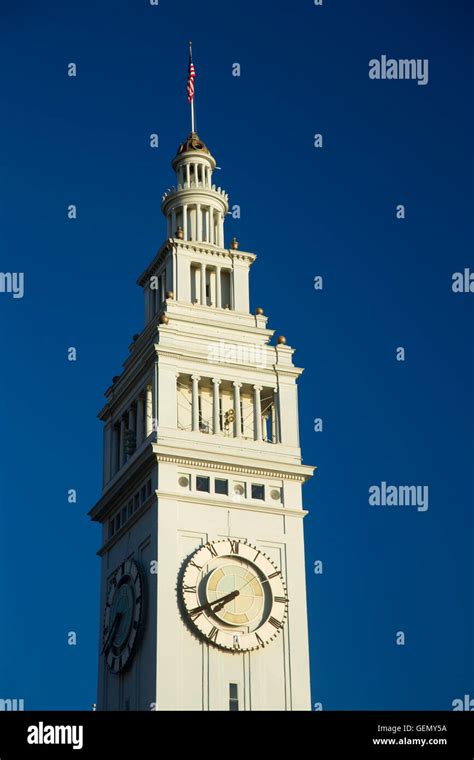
(210, 464)
(212, 250)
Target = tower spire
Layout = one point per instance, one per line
(190, 87)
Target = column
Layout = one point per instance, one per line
(107, 452)
(154, 397)
(147, 303)
(257, 413)
(149, 411)
(139, 420)
(274, 418)
(131, 418)
(185, 221)
(199, 221)
(173, 223)
(188, 176)
(221, 230)
(122, 442)
(115, 451)
(238, 416)
(207, 212)
(218, 288)
(203, 284)
(216, 428)
(195, 402)
(211, 225)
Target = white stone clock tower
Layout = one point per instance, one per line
(203, 591)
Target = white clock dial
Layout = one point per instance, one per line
(234, 595)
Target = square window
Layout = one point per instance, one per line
(258, 492)
(202, 483)
(221, 486)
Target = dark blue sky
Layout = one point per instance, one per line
(305, 212)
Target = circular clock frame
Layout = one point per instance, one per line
(125, 598)
(220, 624)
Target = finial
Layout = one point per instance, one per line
(234, 244)
(180, 233)
(259, 310)
(281, 340)
(164, 319)
(170, 294)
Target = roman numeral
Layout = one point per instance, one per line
(260, 641)
(212, 550)
(189, 589)
(281, 599)
(276, 623)
(234, 546)
(194, 615)
(199, 567)
(212, 636)
(274, 575)
(257, 555)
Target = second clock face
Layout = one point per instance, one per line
(234, 595)
(123, 613)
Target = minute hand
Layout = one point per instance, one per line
(223, 600)
(111, 632)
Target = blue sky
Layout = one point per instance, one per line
(305, 212)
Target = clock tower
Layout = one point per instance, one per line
(203, 591)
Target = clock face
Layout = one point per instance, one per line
(234, 595)
(123, 613)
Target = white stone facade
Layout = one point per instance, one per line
(204, 399)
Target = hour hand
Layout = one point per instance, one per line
(219, 602)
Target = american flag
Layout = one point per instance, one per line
(191, 75)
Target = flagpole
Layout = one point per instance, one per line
(193, 118)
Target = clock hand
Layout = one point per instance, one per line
(108, 643)
(222, 601)
(260, 580)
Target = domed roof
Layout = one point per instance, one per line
(193, 142)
